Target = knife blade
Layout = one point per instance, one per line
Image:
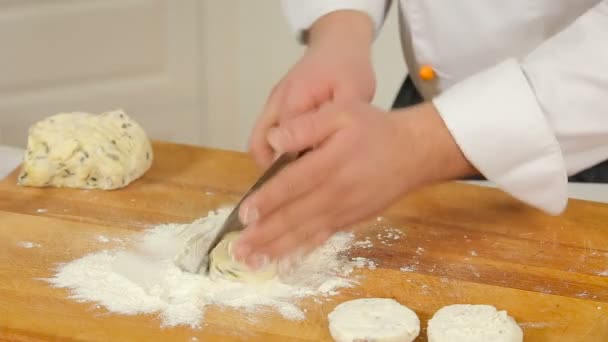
(195, 256)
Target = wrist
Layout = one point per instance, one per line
(343, 29)
(437, 153)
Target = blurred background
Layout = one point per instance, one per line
(190, 71)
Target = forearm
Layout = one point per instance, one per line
(440, 157)
(302, 15)
(347, 28)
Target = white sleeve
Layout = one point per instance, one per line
(301, 14)
(527, 125)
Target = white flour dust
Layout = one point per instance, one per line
(144, 279)
(389, 236)
(361, 262)
(102, 239)
(408, 268)
(28, 244)
(364, 243)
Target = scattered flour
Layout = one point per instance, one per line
(102, 239)
(408, 268)
(330, 286)
(361, 262)
(474, 270)
(542, 289)
(145, 280)
(389, 236)
(537, 325)
(28, 244)
(603, 273)
(41, 210)
(363, 244)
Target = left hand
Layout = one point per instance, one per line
(365, 160)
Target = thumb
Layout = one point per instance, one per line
(258, 144)
(304, 131)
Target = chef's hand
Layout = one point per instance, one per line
(364, 160)
(336, 66)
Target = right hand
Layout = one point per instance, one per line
(336, 67)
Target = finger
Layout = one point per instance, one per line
(304, 131)
(300, 100)
(322, 236)
(293, 245)
(348, 93)
(285, 220)
(345, 94)
(310, 206)
(261, 151)
(291, 261)
(296, 179)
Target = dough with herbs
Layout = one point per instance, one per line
(87, 151)
(224, 265)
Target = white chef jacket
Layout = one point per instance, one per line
(522, 85)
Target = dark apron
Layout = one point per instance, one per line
(408, 96)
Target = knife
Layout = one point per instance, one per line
(195, 256)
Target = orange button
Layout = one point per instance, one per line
(426, 72)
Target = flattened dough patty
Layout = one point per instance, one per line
(224, 265)
(373, 319)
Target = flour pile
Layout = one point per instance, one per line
(144, 279)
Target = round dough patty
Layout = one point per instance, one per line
(373, 319)
(472, 323)
(224, 265)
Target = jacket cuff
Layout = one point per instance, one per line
(302, 14)
(498, 124)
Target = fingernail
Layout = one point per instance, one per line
(298, 255)
(241, 251)
(258, 261)
(248, 215)
(284, 267)
(276, 156)
(274, 138)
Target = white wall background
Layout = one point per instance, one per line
(189, 71)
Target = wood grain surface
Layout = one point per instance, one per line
(462, 244)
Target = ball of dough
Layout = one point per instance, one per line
(224, 265)
(373, 319)
(87, 151)
(471, 323)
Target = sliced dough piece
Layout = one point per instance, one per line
(373, 319)
(472, 323)
(87, 151)
(224, 265)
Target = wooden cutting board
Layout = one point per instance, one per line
(468, 245)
